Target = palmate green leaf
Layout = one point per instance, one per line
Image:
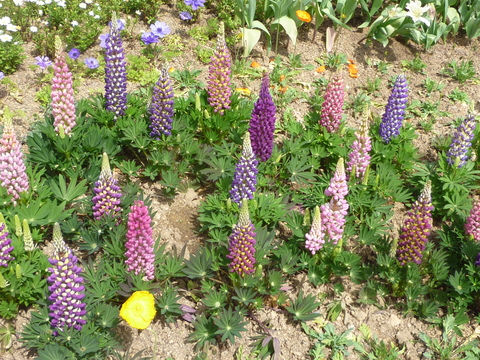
(205, 331)
(70, 193)
(38, 213)
(55, 352)
(302, 307)
(199, 265)
(230, 324)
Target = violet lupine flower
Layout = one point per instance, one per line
(315, 238)
(67, 292)
(5, 244)
(245, 177)
(140, 243)
(115, 72)
(162, 106)
(472, 225)
(13, 174)
(332, 106)
(262, 124)
(359, 157)
(334, 212)
(242, 244)
(394, 114)
(416, 229)
(106, 201)
(218, 88)
(461, 142)
(63, 103)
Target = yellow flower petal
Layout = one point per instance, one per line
(303, 16)
(139, 310)
(244, 91)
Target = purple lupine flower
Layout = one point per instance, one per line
(218, 88)
(63, 103)
(106, 201)
(103, 40)
(477, 260)
(359, 157)
(185, 16)
(162, 106)
(13, 174)
(120, 23)
(245, 177)
(195, 4)
(332, 106)
(115, 73)
(149, 37)
(5, 244)
(242, 244)
(394, 114)
(457, 155)
(43, 62)
(262, 124)
(315, 238)
(160, 29)
(91, 63)
(74, 53)
(472, 225)
(140, 243)
(416, 229)
(334, 212)
(67, 292)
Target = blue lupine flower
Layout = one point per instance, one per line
(392, 119)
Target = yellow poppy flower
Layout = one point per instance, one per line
(303, 16)
(244, 91)
(139, 310)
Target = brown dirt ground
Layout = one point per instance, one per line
(175, 220)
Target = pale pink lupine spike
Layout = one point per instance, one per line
(359, 157)
(315, 238)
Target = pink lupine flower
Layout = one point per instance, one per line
(332, 106)
(472, 225)
(12, 167)
(140, 243)
(359, 157)
(63, 103)
(315, 238)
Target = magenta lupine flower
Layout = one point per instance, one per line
(335, 212)
(218, 88)
(67, 292)
(359, 157)
(245, 177)
(13, 174)
(63, 103)
(115, 72)
(472, 225)
(140, 243)
(332, 106)
(162, 106)
(262, 124)
(462, 139)
(5, 245)
(315, 238)
(416, 229)
(106, 201)
(242, 244)
(392, 119)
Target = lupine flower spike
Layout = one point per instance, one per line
(472, 225)
(63, 103)
(107, 193)
(140, 243)
(245, 177)
(5, 247)
(332, 107)
(334, 212)
(12, 167)
(67, 292)
(115, 72)
(262, 124)
(242, 244)
(27, 237)
(416, 229)
(315, 237)
(392, 119)
(359, 157)
(219, 81)
(162, 106)
(457, 155)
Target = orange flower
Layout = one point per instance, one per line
(303, 16)
(352, 69)
(254, 64)
(283, 90)
(320, 69)
(282, 77)
(243, 91)
(172, 69)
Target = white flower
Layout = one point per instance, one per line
(89, 1)
(82, 5)
(416, 10)
(61, 3)
(138, 12)
(5, 21)
(40, 12)
(40, 3)
(18, 2)
(394, 12)
(96, 17)
(12, 28)
(74, 23)
(48, 2)
(5, 38)
(33, 29)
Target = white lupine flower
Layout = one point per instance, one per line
(416, 10)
